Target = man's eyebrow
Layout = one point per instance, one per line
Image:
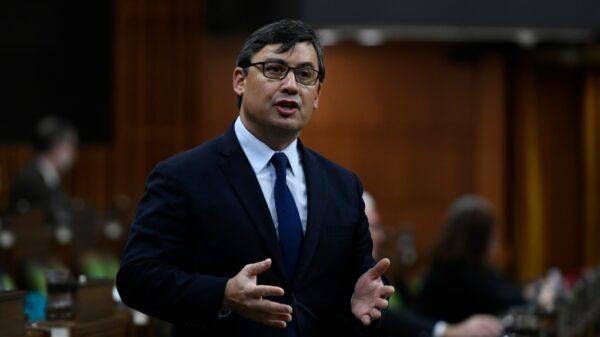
(280, 61)
(275, 60)
(306, 65)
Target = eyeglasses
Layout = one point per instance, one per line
(278, 71)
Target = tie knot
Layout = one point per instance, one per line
(280, 162)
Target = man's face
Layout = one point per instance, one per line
(64, 153)
(272, 107)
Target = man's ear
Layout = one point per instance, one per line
(316, 100)
(239, 81)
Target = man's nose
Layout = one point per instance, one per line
(289, 84)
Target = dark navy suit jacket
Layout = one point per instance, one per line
(203, 217)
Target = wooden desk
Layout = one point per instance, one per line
(106, 327)
(12, 317)
(93, 300)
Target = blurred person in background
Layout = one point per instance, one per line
(38, 185)
(408, 323)
(462, 279)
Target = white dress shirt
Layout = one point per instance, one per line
(259, 155)
(48, 172)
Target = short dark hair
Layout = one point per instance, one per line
(50, 131)
(467, 233)
(288, 32)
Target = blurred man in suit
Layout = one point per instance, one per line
(252, 233)
(406, 322)
(38, 185)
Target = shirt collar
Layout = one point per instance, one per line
(259, 154)
(48, 172)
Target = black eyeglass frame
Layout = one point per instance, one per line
(262, 64)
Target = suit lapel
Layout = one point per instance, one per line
(239, 172)
(316, 187)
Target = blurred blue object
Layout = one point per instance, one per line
(35, 305)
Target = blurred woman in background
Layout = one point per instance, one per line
(462, 279)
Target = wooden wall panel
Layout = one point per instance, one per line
(560, 103)
(491, 169)
(219, 108)
(548, 192)
(591, 161)
(157, 95)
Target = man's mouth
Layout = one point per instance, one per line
(286, 107)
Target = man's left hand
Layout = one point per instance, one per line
(370, 294)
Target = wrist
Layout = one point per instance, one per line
(226, 303)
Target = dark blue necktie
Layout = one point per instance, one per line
(288, 219)
(289, 225)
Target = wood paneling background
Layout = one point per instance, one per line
(419, 125)
(548, 148)
(591, 162)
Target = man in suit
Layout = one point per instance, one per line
(406, 322)
(38, 185)
(252, 233)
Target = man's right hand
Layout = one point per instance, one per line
(245, 297)
(475, 326)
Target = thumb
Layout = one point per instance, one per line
(254, 269)
(380, 268)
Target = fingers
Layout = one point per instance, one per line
(274, 320)
(282, 317)
(266, 291)
(490, 325)
(257, 268)
(375, 314)
(478, 325)
(269, 307)
(386, 291)
(487, 321)
(380, 268)
(381, 304)
(275, 323)
(483, 331)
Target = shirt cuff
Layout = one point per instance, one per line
(439, 329)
